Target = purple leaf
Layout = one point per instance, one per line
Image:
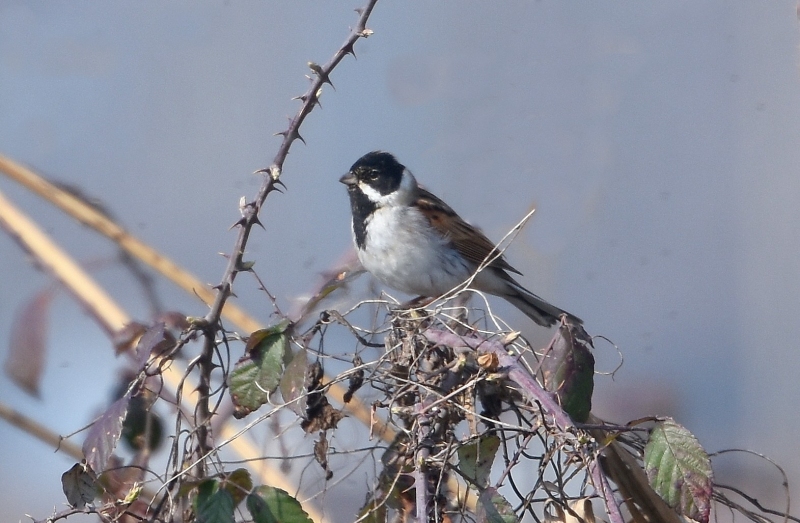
(149, 340)
(26, 355)
(104, 434)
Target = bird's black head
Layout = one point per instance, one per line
(378, 169)
(374, 176)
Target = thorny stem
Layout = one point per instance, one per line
(251, 210)
(249, 218)
(604, 489)
(206, 365)
(421, 468)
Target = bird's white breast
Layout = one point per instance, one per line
(404, 252)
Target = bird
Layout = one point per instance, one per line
(413, 242)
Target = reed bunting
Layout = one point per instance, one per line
(413, 242)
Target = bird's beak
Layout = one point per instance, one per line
(349, 179)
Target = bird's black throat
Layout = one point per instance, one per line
(362, 208)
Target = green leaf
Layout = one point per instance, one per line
(494, 508)
(257, 374)
(216, 508)
(569, 371)
(475, 459)
(205, 489)
(679, 470)
(273, 505)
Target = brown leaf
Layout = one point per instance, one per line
(321, 454)
(322, 417)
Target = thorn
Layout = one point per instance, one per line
(239, 223)
(297, 135)
(265, 170)
(232, 294)
(302, 98)
(276, 182)
(255, 221)
(281, 133)
(359, 10)
(350, 49)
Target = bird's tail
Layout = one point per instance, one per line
(534, 307)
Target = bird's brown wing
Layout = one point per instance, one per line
(469, 241)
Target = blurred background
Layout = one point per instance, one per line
(659, 142)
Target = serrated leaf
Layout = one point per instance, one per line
(257, 374)
(80, 485)
(679, 470)
(104, 434)
(292, 382)
(475, 459)
(28, 349)
(273, 505)
(568, 369)
(215, 508)
(494, 508)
